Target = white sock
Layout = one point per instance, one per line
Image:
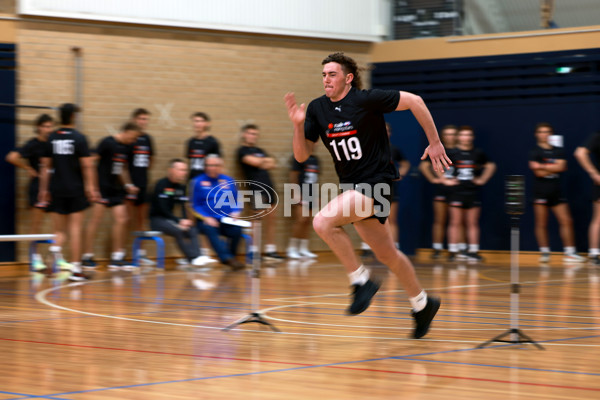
(419, 301)
(462, 246)
(364, 246)
(438, 246)
(360, 276)
(303, 244)
(452, 247)
(37, 257)
(253, 248)
(55, 249)
(473, 248)
(87, 256)
(76, 266)
(204, 251)
(142, 253)
(569, 250)
(117, 255)
(594, 252)
(270, 248)
(293, 244)
(544, 249)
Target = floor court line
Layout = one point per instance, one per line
(341, 365)
(41, 297)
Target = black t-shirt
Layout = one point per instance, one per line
(353, 130)
(113, 158)
(65, 147)
(166, 196)
(547, 156)
(197, 150)
(254, 173)
(139, 160)
(32, 151)
(309, 170)
(468, 165)
(451, 171)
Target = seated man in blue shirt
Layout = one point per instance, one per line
(211, 206)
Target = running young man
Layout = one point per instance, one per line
(350, 122)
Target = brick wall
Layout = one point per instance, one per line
(234, 78)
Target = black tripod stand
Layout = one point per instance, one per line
(515, 193)
(254, 316)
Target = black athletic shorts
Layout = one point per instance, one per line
(381, 193)
(549, 198)
(263, 197)
(111, 197)
(442, 192)
(464, 200)
(68, 205)
(141, 197)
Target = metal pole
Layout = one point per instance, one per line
(514, 279)
(256, 232)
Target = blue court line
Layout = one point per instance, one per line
(32, 396)
(407, 358)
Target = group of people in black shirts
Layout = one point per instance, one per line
(456, 201)
(68, 177)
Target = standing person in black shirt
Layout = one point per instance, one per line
(591, 166)
(547, 163)
(69, 188)
(473, 169)
(201, 144)
(28, 157)
(306, 175)
(198, 147)
(256, 164)
(351, 124)
(140, 162)
(444, 185)
(170, 192)
(114, 181)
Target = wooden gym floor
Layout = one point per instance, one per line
(154, 335)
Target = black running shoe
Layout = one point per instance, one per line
(452, 256)
(362, 297)
(88, 263)
(436, 254)
(596, 260)
(273, 256)
(474, 256)
(424, 317)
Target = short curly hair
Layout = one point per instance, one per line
(349, 66)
